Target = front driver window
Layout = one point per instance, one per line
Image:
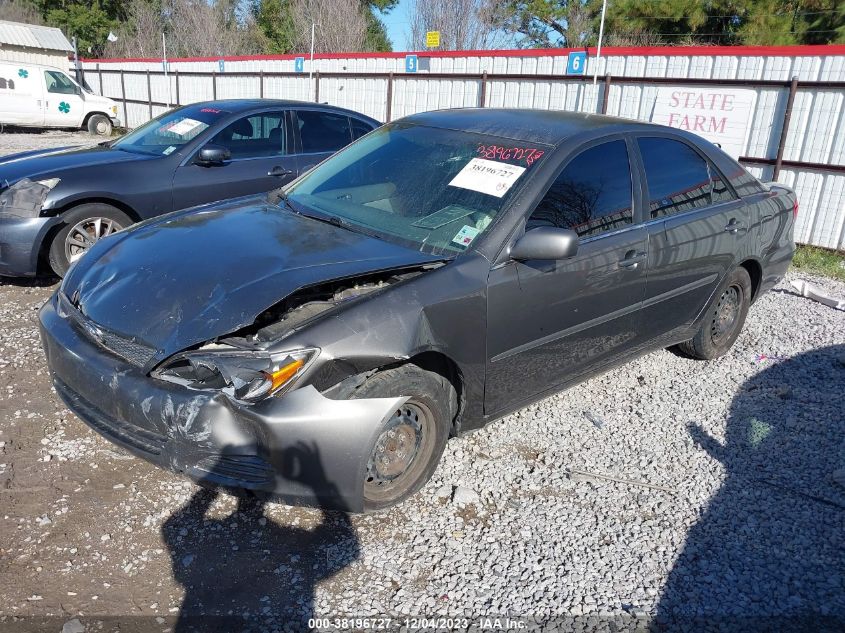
(591, 195)
(59, 83)
(259, 135)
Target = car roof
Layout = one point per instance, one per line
(551, 127)
(242, 105)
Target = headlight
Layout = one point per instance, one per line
(247, 376)
(25, 198)
(114, 110)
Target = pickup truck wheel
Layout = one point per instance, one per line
(83, 227)
(99, 125)
(724, 318)
(410, 443)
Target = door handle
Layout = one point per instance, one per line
(733, 226)
(632, 260)
(279, 172)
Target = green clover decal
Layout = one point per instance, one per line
(23, 73)
(64, 106)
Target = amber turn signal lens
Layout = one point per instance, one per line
(283, 374)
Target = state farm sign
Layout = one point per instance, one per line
(720, 115)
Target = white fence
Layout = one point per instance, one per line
(796, 136)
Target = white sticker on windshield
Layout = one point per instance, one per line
(183, 127)
(169, 150)
(466, 235)
(487, 176)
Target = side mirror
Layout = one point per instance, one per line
(545, 242)
(213, 155)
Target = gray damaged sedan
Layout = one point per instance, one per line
(437, 274)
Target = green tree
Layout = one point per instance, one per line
(678, 22)
(543, 23)
(275, 20)
(728, 22)
(376, 39)
(89, 24)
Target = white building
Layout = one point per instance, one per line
(33, 44)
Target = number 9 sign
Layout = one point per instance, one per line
(576, 63)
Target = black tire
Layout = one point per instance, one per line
(60, 259)
(430, 407)
(723, 319)
(99, 125)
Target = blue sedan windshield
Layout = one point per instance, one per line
(168, 132)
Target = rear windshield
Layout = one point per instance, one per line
(432, 189)
(168, 132)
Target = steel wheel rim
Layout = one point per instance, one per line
(83, 235)
(101, 127)
(400, 452)
(726, 315)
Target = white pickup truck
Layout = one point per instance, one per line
(32, 95)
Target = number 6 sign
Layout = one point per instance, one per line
(576, 63)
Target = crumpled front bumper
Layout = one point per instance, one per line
(301, 447)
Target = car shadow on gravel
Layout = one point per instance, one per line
(42, 281)
(768, 554)
(246, 572)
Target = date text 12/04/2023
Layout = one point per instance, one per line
(419, 623)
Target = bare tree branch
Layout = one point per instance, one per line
(463, 24)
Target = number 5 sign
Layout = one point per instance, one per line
(576, 63)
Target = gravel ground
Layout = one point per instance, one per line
(666, 488)
(14, 140)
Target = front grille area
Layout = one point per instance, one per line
(136, 353)
(126, 348)
(133, 437)
(236, 470)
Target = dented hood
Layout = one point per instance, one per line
(189, 277)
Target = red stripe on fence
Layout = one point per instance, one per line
(610, 51)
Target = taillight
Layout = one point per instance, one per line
(795, 209)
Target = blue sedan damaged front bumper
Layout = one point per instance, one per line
(301, 447)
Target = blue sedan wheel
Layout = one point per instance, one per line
(84, 226)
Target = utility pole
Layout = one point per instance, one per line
(76, 73)
(311, 63)
(598, 50)
(164, 65)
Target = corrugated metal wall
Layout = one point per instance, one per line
(25, 55)
(816, 132)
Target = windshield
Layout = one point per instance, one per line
(169, 131)
(432, 189)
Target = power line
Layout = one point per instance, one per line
(729, 15)
(728, 34)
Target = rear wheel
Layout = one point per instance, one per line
(724, 318)
(411, 441)
(99, 125)
(83, 227)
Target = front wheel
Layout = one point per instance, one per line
(410, 443)
(83, 227)
(723, 319)
(99, 125)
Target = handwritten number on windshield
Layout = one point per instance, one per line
(500, 152)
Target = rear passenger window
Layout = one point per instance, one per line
(679, 179)
(591, 195)
(323, 131)
(359, 128)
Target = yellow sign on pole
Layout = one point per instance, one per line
(432, 39)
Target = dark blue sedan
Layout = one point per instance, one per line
(55, 204)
